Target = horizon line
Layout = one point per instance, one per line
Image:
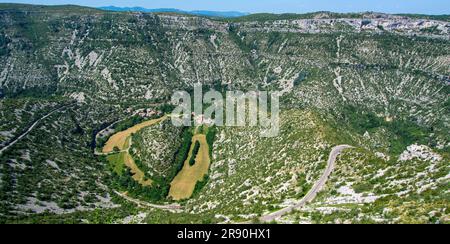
(244, 12)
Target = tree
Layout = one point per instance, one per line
(194, 153)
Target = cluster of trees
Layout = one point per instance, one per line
(120, 126)
(233, 31)
(273, 38)
(159, 189)
(210, 137)
(125, 182)
(101, 141)
(305, 186)
(200, 184)
(77, 130)
(123, 125)
(300, 78)
(194, 153)
(42, 91)
(182, 153)
(166, 108)
(405, 132)
(4, 41)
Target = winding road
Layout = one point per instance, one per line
(170, 207)
(31, 128)
(318, 186)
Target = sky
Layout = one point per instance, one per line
(270, 6)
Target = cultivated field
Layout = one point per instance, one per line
(120, 139)
(138, 175)
(184, 183)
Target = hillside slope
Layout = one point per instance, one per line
(377, 82)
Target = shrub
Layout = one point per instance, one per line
(194, 153)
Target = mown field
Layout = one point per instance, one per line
(119, 144)
(184, 183)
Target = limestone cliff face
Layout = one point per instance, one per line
(379, 82)
(389, 64)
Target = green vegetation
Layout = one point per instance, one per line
(183, 185)
(443, 17)
(388, 206)
(407, 133)
(194, 153)
(116, 162)
(128, 123)
(200, 184)
(125, 183)
(166, 108)
(304, 186)
(300, 78)
(288, 16)
(338, 83)
(238, 37)
(122, 177)
(404, 132)
(182, 153)
(210, 137)
(4, 41)
(56, 8)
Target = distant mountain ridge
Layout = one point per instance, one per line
(226, 14)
